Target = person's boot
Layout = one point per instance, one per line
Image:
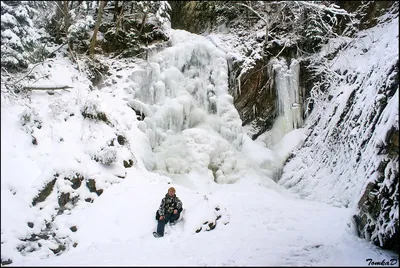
(157, 235)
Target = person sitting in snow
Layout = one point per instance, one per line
(169, 211)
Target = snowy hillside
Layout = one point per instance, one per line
(347, 152)
(342, 118)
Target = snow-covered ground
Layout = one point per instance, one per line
(258, 226)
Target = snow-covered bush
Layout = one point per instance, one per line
(92, 110)
(146, 23)
(18, 34)
(78, 32)
(30, 119)
(322, 78)
(226, 12)
(158, 9)
(319, 25)
(106, 155)
(60, 108)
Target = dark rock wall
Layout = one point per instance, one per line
(255, 99)
(192, 16)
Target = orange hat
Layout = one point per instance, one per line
(172, 188)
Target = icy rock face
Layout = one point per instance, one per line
(350, 157)
(183, 87)
(266, 95)
(256, 99)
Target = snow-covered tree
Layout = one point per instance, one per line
(78, 33)
(307, 24)
(137, 24)
(18, 34)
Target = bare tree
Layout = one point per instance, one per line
(290, 15)
(262, 18)
(96, 28)
(118, 10)
(67, 18)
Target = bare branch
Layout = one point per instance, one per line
(255, 12)
(26, 74)
(332, 8)
(51, 53)
(46, 88)
(262, 18)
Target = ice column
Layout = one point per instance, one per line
(287, 87)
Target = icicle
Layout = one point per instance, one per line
(239, 84)
(287, 86)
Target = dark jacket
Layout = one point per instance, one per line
(168, 204)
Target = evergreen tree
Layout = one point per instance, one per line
(18, 34)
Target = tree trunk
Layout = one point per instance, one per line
(66, 16)
(116, 10)
(142, 26)
(96, 28)
(88, 6)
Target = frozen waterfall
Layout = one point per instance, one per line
(189, 116)
(287, 87)
(186, 85)
(289, 103)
